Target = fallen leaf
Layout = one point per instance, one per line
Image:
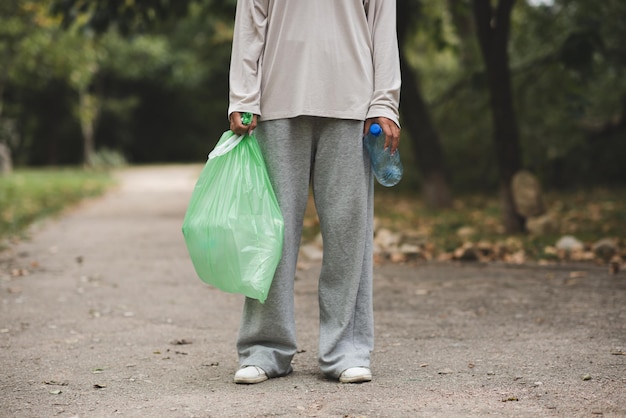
(397, 257)
(518, 257)
(55, 383)
(615, 265)
(582, 256)
(182, 341)
(56, 392)
(510, 399)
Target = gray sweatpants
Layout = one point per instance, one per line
(327, 153)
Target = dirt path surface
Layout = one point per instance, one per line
(102, 316)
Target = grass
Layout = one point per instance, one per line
(588, 215)
(29, 195)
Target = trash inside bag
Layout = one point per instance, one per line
(233, 227)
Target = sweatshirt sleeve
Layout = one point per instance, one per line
(245, 61)
(381, 16)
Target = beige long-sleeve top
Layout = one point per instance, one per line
(328, 58)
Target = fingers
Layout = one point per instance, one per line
(252, 125)
(392, 132)
(390, 129)
(238, 127)
(235, 123)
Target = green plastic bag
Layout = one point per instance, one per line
(233, 227)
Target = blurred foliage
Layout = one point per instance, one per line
(590, 215)
(568, 62)
(29, 195)
(126, 16)
(150, 77)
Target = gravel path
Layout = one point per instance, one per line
(102, 316)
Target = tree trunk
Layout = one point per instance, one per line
(428, 151)
(6, 162)
(2, 83)
(463, 22)
(4, 77)
(88, 113)
(493, 28)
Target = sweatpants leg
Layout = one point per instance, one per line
(267, 336)
(343, 192)
(332, 151)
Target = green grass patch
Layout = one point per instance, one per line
(29, 195)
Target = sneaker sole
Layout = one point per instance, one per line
(356, 379)
(251, 380)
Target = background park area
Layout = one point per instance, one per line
(499, 257)
(514, 117)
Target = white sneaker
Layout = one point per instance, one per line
(250, 374)
(356, 375)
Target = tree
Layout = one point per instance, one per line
(493, 26)
(162, 69)
(428, 151)
(157, 46)
(129, 17)
(21, 26)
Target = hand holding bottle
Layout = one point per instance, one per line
(386, 164)
(390, 129)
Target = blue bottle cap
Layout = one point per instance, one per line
(375, 129)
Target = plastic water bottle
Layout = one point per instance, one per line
(387, 167)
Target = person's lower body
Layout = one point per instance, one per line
(327, 154)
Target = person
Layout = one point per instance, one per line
(316, 74)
